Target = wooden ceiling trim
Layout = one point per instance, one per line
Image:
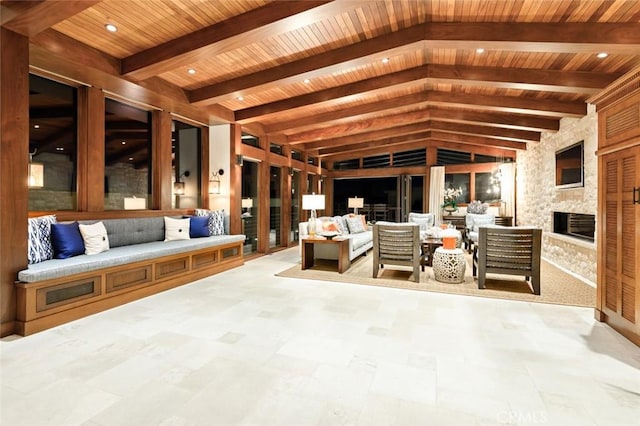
(254, 25)
(42, 15)
(350, 56)
(520, 78)
(359, 127)
(412, 75)
(496, 119)
(542, 107)
(476, 140)
(562, 37)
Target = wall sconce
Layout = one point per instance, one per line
(178, 185)
(36, 172)
(291, 171)
(214, 182)
(239, 160)
(355, 203)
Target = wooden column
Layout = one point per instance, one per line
(264, 208)
(91, 150)
(235, 184)
(205, 173)
(14, 157)
(161, 160)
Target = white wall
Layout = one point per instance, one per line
(538, 198)
(219, 158)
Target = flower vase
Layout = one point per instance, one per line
(450, 209)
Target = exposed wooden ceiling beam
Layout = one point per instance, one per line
(496, 119)
(366, 146)
(254, 25)
(368, 136)
(412, 75)
(558, 80)
(567, 37)
(340, 115)
(542, 107)
(521, 78)
(489, 132)
(476, 140)
(359, 127)
(351, 56)
(42, 15)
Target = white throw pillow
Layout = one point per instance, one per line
(176, 229)
(95, 238)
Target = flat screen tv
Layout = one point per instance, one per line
(570, 166)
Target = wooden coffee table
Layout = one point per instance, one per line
(343, 251)
(429, 246)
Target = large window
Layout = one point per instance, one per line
(459, 180)
(52, 145)
(295, 204)
(127, 157)
(488, 188)
(186, 148)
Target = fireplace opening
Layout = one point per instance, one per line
(575, 224)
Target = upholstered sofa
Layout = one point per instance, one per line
(359, 242)
(138, 262)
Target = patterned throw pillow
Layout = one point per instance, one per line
(330, 226)
(39, 243)
(176, 229)
(355, 225)
(342, 224)
(216, 220)
(95, 238)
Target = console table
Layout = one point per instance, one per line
(343, 251)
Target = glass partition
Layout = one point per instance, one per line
(295, 205)
(250, 204)
(275, 207)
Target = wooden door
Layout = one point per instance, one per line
(619, 297)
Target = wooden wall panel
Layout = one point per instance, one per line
(91, 149)
(14, 159)
(161, 160)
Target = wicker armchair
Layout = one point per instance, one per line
(511, 251)
(396, 244)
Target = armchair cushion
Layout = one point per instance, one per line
(425, 220)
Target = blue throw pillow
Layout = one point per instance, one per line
(67, 240)
(198, 226)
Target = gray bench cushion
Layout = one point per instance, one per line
(56, 268)
(124, 232)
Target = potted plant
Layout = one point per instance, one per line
(450, 197)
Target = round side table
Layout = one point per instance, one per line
(449, 265)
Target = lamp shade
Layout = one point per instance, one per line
(178, 188)
(355, 203)
(313, 202)
(247, 203)
(36, 175)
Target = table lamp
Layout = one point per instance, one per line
(355, 203)
(312, 202)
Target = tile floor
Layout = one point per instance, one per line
(247, 348)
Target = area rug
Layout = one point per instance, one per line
(557, 287)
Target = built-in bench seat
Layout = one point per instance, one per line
(138, 263)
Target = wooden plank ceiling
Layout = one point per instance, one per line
(334, 78)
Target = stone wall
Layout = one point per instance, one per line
(538, 198)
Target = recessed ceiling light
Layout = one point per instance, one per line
(36, 126)
(385, 60)
(111, 28)
(480, 50)
(59, 148)
(240, 98)
(130, 158)
(602, 55)
(191, 71)
(307, 81)
(124, 142)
